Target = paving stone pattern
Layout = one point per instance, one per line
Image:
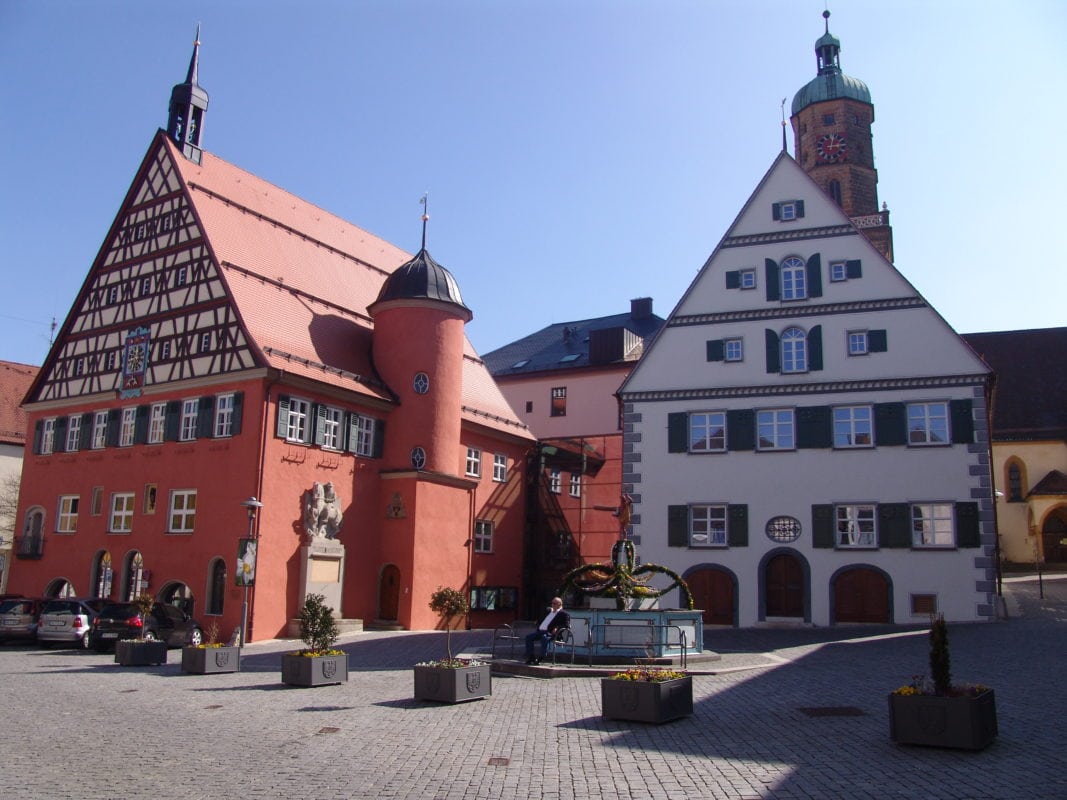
(75, 725)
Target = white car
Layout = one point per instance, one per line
(67, 620)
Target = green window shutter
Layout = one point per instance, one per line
(733, 279)
(171, 420)
(774, 287)
(776, 211)
(113, 424)
(61, 435)
(814, 275)
(677, 526)
(774, 355)
(815, 349)
(238, 412)
(38, 430)
(853, 269)
(282, 427)
(678, 432)
(737, 525)
(318, 422)
(379, 438)
(800, 208)
(890, 424)
(205, 417)
(815, 427)
(877, 341)
(894, 525)
(961, 413)
(968, 531)
(351, 432)
(822, 526)
(140, 424)
(87, 430)
(716, 350)
(741, 429)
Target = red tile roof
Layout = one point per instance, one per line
(15, 380)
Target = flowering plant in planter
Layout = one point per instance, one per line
(939, 684)
(318, 628)
(648, 675)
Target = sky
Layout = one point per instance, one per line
(576, 153)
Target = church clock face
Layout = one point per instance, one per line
(831, 147)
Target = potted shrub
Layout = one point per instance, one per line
(451, 680)
(319, 663)
(936, 711)
(211, 656)
(141, 652)
(647, 694)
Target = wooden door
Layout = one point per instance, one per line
(713, 591)
(785, 587)
(861, 595)
(389, 593)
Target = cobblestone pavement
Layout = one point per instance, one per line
(75, 725)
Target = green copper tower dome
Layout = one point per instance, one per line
(830, 83)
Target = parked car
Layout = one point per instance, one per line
(18, 619)
(165, 623)
(67, 620)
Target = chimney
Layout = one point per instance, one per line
(641, 308)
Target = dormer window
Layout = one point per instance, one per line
(787, 210)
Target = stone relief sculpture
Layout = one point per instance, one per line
(322, 511)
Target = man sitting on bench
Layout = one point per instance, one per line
(556, 620)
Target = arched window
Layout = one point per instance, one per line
(102, 574)
(794, 350)
(216, 590)
(794, 279)
(1015, 482)
(31, 544)
(134, 582)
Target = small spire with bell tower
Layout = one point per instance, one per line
(188, 104)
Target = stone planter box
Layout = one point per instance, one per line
(140, 653)
(314, 670)
(211, 660)
(967, 723)
(444, 685)
(645, 701)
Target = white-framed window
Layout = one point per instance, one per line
(474, 462)
(164, 350)
(187, 422)
(330, 419)
(794, 279)
(576, 484)
(855, 526)
(205, 342)
(794, 350)
(555, 481)
(223, 424)
(418, 458)
(364, 433)
(79, 366)
(483, 536)
(775, 429)
(182, 511)
(297, 425)
(932, 525)
(707, 525)
(559, 401)
(109, 360)
(157, 420)
(421, 383)
(857, 343)
(500, 467)
(747, 278)
(128, 426)
(733, 349)
(181, 276)
(67, 514)
(788, 211)
(707, 432)
(838, 271)
(146, 286)
(121, 520)
(99, 430)
(48, 436)
(928, 423)
(112, 295)
(853, 426)
(74, 432)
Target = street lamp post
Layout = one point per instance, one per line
(253, 505)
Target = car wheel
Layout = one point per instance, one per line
(150, 636)
(196, 636)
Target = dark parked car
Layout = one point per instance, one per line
(67, 620)
(123, 621)
(18, 619)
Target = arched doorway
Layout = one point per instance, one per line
(713, 591)
(216, 587)
(179, 595)
(1054, 537)
(784, 586)
(861, 594)
(389, 593)
(60, 587)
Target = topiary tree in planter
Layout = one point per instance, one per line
(318, 628)
(448, 604)
(143, 603)
(940, 668)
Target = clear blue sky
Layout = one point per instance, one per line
(577, 153)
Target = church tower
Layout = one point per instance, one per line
(832, 117)
(188, 103)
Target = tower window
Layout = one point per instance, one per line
(827, 119)
(834, 190)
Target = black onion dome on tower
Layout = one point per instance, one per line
(422, 278)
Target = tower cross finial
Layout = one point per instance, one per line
(424, 201)
(826, 19)
(785, 147)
